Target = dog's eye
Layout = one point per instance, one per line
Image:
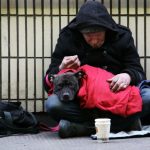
(71, 86)
(60, 85)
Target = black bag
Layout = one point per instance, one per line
(15, 120)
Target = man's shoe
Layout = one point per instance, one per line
(136, 126)
(70, 129)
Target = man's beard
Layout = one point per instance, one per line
(96, 46)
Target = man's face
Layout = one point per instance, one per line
(95, 39)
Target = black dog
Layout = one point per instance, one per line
(66, 85)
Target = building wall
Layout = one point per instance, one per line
(28, 33)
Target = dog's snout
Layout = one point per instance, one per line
(66, 96)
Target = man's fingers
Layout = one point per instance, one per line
(116, 84)
(70, 62)
(109, 80)
(71, 58)
(114, 87)
(121, 87)
(75, 64)
(113, 81)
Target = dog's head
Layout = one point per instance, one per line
(66, 85)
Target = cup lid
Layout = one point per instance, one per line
(102, 120)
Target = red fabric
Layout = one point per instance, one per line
(95, 92)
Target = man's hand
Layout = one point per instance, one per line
(119, 82)
(71, 62)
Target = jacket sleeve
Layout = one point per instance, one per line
(61, 50)
(56, 59)
(131, 60)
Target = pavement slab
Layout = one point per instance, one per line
(51, 141)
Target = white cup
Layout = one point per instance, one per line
(102, 129)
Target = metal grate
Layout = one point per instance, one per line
(28, 33)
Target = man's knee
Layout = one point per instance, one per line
(52, 104)
(145, 94)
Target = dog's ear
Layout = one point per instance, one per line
(80, 74)
(51, 77)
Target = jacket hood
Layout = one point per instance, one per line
(93, 13)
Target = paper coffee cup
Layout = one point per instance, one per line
(102, 129)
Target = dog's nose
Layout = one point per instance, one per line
(66, 96)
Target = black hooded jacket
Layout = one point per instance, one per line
(118, 53)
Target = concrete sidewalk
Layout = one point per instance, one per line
(50, 141)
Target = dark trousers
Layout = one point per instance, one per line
(145, 94)
(71, 111)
